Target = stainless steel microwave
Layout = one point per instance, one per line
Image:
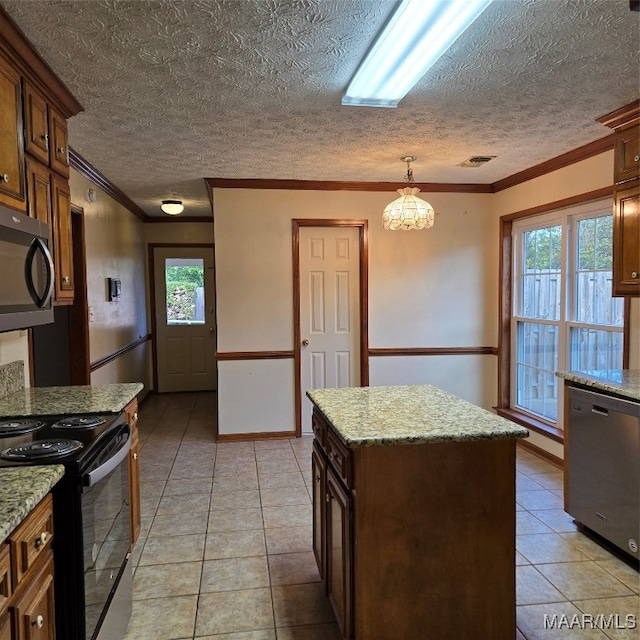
(26, 272)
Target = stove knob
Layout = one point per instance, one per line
(38, 622)
(41, 540)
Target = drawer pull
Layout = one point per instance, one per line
(41, 540)
(61, 149)
(5, 177)
(634, 274)
(135, 456)
(637, 158)
(38, 622)
(332, 456)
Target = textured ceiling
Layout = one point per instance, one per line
(176, 91)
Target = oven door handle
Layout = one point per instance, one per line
(105, 469)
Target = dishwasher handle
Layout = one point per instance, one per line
(601, 411)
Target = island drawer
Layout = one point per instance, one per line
(319, 427)
(339, 457)
(31, 539)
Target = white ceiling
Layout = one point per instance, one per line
(176, 91)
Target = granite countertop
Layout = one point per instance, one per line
(372, 416)
(40, 401)
(623, 382)
(21, 489)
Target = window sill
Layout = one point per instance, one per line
(531, 423)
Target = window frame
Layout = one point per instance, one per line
(505, 339)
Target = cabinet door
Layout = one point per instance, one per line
(339, 552)
(5, 626)
(627, 160)
(34, 611)
(63, 252)
(12, 180)
(59, 143)
(39, 190)
(318, 469)
(36, 139)
(134, 485)
(626, 241)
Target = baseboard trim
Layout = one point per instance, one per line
(542, 453)
(267, 435)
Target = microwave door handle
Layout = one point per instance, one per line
(38, 245)
(93, 477)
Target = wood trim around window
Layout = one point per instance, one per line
(363, 237)
(433, 351)
(505, 302)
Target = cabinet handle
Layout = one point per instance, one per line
(327, 497)
(5, 177)
(634, 274)
(66, 279)
(41, 540)
(332, 456)
(135, 415)
(135, 456)
(637, 158)
(60, 149)
(38, 622)
(45, 138)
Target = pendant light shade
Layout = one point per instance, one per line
(408, 211)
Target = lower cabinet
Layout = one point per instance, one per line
(416, 540)
(28, 612)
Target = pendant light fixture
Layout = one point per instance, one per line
(408, 211)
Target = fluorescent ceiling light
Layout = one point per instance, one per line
(417, 34)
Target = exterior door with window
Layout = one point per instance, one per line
(185, 317)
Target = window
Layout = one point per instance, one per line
(563, 315)
(184, 278)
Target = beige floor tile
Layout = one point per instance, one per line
(301, 604)
(235, 520)
(583, 580)
(224, 500)
(588, 546)
(289, 539)
(527, 523)
(623, 571)
(235, 483)
(550, 622)
(191, 471)
(289, 465)
(547, 547)
(283, 496)
(232, 574)
(235, 544)
(552, 480)
(294, 515)
(535, 500)
(194, 503)
(618, 618)
(173, 549)
(557, 519)
(149, 489)
(534, 588)
(234, 468)
(179, 524)
(312, 632)
(278, 480)
(520, 560)
(233, 611)
(264, 634)
(163, 618)
(525, 483)
(167, 580)
(293, 568)
(186, 486)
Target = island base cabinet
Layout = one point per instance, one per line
(421, 544)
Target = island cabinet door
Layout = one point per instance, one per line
(319, 471)
(339, 549)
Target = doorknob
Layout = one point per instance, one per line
(305, 342)
(211, 330)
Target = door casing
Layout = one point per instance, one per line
(363, 244)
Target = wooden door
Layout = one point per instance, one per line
(184, 318)
(329, 311)
(36, 124)
(59, 142)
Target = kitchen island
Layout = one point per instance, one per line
(414, 513)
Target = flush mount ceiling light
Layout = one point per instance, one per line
(408, 211)
(172, 207)
(416, 35)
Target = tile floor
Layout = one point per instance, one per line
(225, 549)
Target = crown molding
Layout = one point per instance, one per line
(77, 162)
(622, 117)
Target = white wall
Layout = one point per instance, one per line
(432, 288)
(14, 345)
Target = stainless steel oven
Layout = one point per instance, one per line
(91, 517)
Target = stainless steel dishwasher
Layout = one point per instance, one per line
(603, 466)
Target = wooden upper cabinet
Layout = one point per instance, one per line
(627, 161)
(59, 143)
(39, 192)
(63, 251)
(36, 129)
(626, 241)
(12, 174)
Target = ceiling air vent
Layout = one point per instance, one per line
(476, 161)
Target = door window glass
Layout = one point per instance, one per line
(184, 279)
